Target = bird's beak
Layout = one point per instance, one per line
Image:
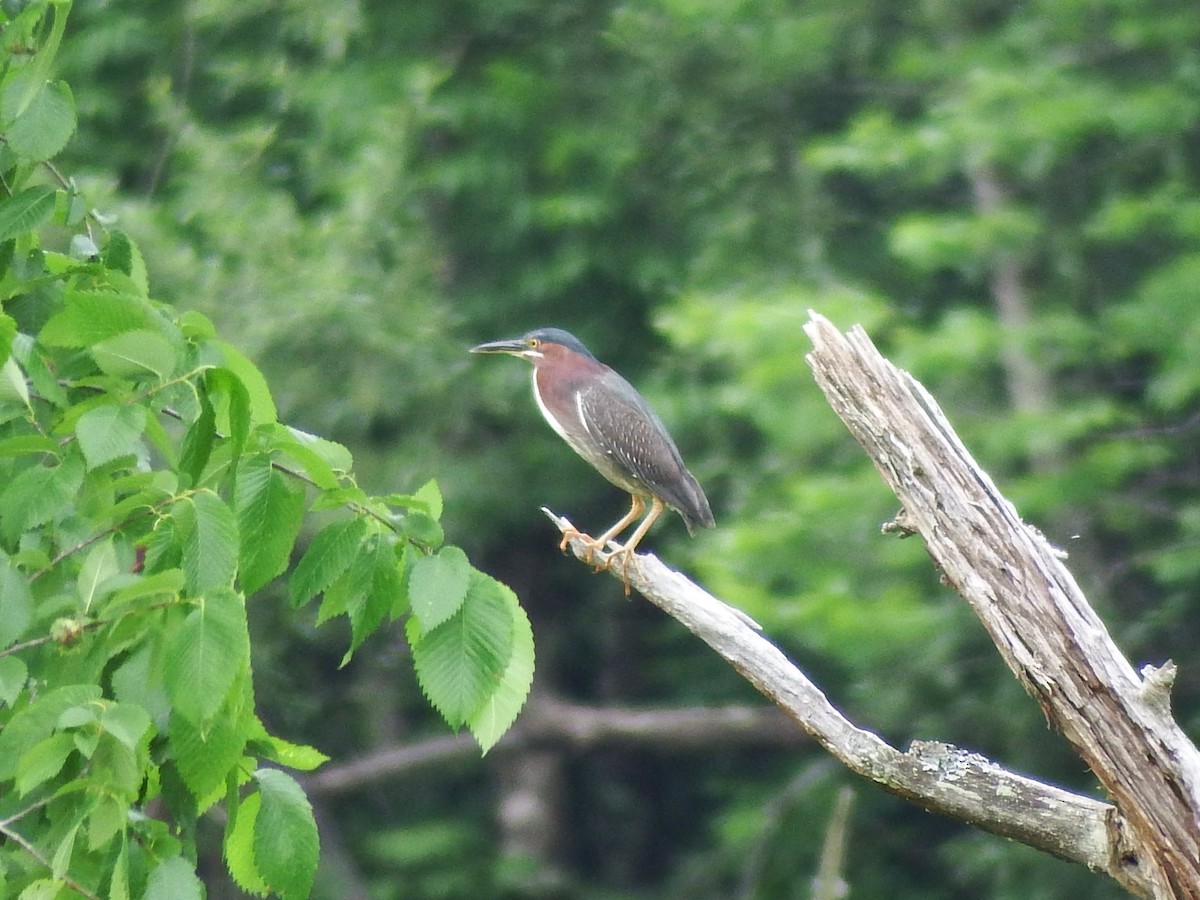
(514, 347)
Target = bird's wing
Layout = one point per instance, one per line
(631, 435)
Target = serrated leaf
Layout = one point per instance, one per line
(173, 879)
(12, 383)
(109, 432)
(430, 495)
(270, 511)
(384, 593)
(198, 442)
(61, 861)
(500, 709)
(118, 883)
(210, 649)
(327, 557)
(122, 255)
(136, 354)
(422, 528)
(286, 844)
(107, 817)
(437, 586)
(8, 331)
(204, 757)
(335, 455)
(276, 749)
(41, 762)
(239, 847)
(38, 494)
(91, 317)
(459, 663)
(36, 721)
(25, 211)
(127, 722)
(99, 565)
(262, 405)
(232, 404)
(210, 541)
(45, 122)
(351, 588)
(16, 603)
(13, 677)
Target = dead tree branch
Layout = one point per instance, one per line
(1118, 721)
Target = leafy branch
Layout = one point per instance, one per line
(148, 489)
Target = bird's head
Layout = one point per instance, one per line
(540, 346)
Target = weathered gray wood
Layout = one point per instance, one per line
(938, 777)
(1118, 720)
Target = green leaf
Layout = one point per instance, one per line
(327, 557)
(459, 663)
(118, 884)
(204, 757)
(431, 496)
(43, 761)
(136, 354)
(210, 542)
(40, 128)
(437, 586)
(351, 588)
(262, 406)
(12, 383)
(500, 709)
(232, 405)
(286, 844)
(335, 455)
(61, 861)
(38, 720)
(16, 603)
(239, 847)
(210, 649)
(276, 749)
(384, 594)
(25, 211)
(38, 494)
(22, 444)
(422, 528)
(109, 432)
(173, 879)
(123, 255)
(13, 675)
(270, 510)
(91, 317)
(8, 331)
(198, 442)
(107, 817)
(127, 722)
(98, 567)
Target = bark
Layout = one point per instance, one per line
(1118, 720)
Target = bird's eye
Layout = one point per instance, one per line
(533, 343)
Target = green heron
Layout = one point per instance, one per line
(607, 422)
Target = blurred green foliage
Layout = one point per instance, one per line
(355, 193)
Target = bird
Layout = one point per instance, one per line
(604, 419)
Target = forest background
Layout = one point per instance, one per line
(1006, 195)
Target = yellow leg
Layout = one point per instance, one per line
(656, 510)
(635, 510)
(626, 552)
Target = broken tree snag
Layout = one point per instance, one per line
(1119, 721)
(937, 777)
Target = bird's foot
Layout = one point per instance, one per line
(589, 555)
(621, 555)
